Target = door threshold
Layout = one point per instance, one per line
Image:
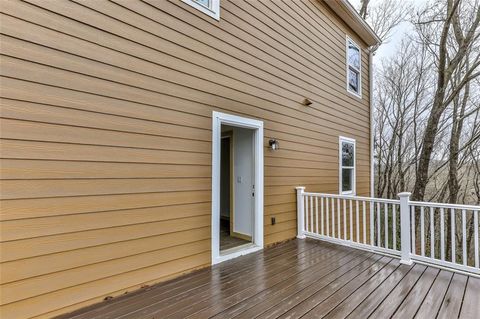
(237, 252)
(235, 249)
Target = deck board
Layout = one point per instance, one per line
(453, 300)
(412, 302)
(301, 278)
(397, 295)
(432, 302)
(471, 304)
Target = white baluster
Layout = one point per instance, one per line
(316, 214)
(351, 221)
(327, 219)
(452, 213)
(442, 234)
(475, 238)
(414, 248)
(306, 213)
(372, 226)
(357, 221)
(394, 226)
(311, 214)
(386, 224)
(322, 221)
(432, 234)
(339, 234)
(379, 241)
(364, 219)
(333, 217)
(422, 231)
(464, 237)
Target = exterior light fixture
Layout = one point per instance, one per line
(274, 145)
(307, 102)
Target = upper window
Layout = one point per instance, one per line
(347, 165)
(354, 68)
(209, 7)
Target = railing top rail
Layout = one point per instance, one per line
(444, 205)
(360, 198)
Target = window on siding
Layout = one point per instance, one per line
(209, 7)
(354, 68)
(347, 165)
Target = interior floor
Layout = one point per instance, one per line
(227, 241)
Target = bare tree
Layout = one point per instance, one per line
(449, 56)
(384, 15)
(427, 111)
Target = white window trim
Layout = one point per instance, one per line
(341, 140)
(213, 11)
(359, 94)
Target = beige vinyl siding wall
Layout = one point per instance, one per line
(106, 134)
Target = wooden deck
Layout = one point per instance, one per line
(307, 279)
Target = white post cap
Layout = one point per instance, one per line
(404, 194)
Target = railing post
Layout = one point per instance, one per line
(405, 230)
(300, 212)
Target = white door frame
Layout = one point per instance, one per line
(227, 119)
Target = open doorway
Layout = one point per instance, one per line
(237, 186)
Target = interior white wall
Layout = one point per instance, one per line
(243, 180)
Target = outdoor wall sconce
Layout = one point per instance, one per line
(307, 102)
(274, 145)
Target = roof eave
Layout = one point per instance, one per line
(347, 13)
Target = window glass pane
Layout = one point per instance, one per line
(205, 3)
(353, 80)
(348, 156)
(353, 55)
(347, 179)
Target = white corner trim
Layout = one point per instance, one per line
(217, 120)
(213, 10)
(340, 177)
(372, 126)
(359, 94)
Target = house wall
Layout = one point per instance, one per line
(106, 134)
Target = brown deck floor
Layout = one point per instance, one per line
(303, 278)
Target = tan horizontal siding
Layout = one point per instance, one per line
(178, 261)
(46, 264)
(26, 130)
(44, 226)
(106, 134)
(24, 289)
(30, 208)
(14, 189)
(25, 248)
(28, 169)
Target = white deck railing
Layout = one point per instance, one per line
(413, 231)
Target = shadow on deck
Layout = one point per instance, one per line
(302, 278)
